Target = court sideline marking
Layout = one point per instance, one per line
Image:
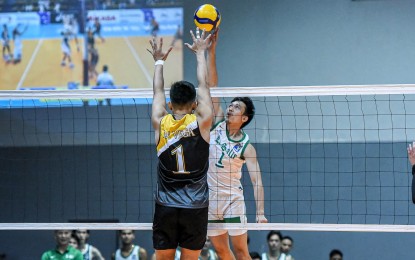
(138, 60)
(29, 65)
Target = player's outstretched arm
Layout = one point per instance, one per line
(204, 109)
(411, 157)
(159, 97)
(256, 179)
(213, 76)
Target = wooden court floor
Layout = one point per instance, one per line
(127, 58)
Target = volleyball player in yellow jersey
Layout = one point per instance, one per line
(182, 138)
(230, 148)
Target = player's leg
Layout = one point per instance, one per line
(240, 246)
(236, 213)
(192, 232)
(221, 245)
(165, 231)
(165, 254)
(187, 254)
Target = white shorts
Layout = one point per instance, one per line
(226, 209)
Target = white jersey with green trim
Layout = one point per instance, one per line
(134, 255)
(226, 160)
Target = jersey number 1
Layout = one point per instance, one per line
(181, 168)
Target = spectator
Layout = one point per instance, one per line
(274, 247)
(63, 250)
(207, 252)
(336, 254)
(74, 241)
(286, 246)
(105, 78)
(128, 250)
(88, 251)
(255, 255)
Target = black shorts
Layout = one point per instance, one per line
(182, 227)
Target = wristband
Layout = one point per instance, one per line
(159, 62)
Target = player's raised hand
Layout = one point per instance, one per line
(214, 39)
(411, 153)
(157, 50)
(200, 42)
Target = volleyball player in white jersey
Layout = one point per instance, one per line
(230, 148)
(128, 250)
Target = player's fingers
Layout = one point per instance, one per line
(150, 51)
(154, 43)
(208, 37)
(197, 33)
(190, 47)
(192, 35)
(161, 43)
(169, 50)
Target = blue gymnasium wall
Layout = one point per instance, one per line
(304, 42)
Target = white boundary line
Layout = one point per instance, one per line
(338, 90)
(249, 226)
(29, 65)
(138, 60)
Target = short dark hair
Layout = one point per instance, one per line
(105, 68)
(74, 236)
(336, 252)
(274, 232)
(254, 255)
(249, 110)
(120, 231)
(287, 237)
(182, 93)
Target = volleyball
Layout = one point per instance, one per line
(207, 17)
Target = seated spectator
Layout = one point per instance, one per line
(105, 78)
(207, 252)
(74, 241)
(63, 250)
(336, 254)
(274, 246)
(128, 250)
(255, 255)
(88, 251)
(286, 246)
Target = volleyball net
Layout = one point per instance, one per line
(331, 158)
